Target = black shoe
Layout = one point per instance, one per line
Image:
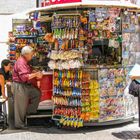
(35, 113)
(22, 128)
(138, 136)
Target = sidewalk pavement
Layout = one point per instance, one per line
(126, 131)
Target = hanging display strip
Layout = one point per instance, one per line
(129, 22)
(112, 84)
(66, 59)
(130, 43)
(90, 97)
(67, 97)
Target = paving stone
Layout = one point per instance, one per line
(117, 132)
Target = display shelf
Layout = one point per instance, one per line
(56, 117)
(72, 96)
(39, 35)
(42, 42)
(73, 106)
(41, 114)
(113, 122)
(24, 36)
(96, 67)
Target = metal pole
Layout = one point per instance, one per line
(37, 3)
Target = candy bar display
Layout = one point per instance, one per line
(24, 33)
(90, 98)
(21, 36)
(16, 46)
(67, 94)
(67, 55)
(65, 59)
(65, 31)
(12, 47)
(23, 30)
(62, 101)
(71, 111)
(71, 122)
(71, 64)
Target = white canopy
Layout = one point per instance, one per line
(88, 3)
(22, 15)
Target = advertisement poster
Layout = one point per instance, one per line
(43, 3)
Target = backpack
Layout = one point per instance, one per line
(134, 88)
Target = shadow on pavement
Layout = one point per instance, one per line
(55, 130)
(127, 135)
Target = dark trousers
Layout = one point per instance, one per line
(0, 107)
(139, 109)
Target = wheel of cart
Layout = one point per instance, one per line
(56, 120)
(41, 118)
(3, 117)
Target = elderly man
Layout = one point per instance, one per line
(23, 89)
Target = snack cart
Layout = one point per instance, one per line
(91, 47)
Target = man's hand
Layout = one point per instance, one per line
(4, 97)
(39, 75)
(35, 71)
(133, 77)
(8, 83)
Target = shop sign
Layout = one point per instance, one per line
(53, 2)
(134, 1)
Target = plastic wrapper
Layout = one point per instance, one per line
(111, 95)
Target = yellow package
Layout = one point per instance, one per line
(96, 99)
(64, 123)
(62, 120)
(75, 123)
(68, 122)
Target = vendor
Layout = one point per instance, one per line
(4, 76)
(24, 89)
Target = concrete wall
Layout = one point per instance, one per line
(16, 6)
(5, 27)
(138, 2)
(10, 7)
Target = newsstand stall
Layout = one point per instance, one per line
(91, 49)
